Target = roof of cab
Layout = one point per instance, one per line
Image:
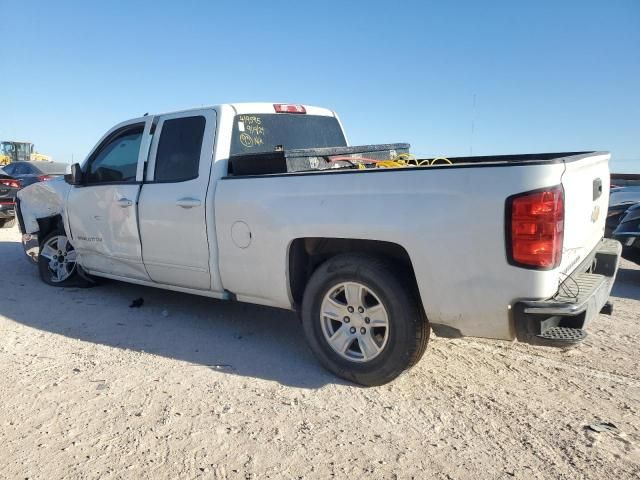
(256, 107)
(263, 107)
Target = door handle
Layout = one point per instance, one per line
(125, 202)
(188, 202)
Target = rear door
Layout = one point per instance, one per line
(586, 196)
(103, 217)
(173, 230)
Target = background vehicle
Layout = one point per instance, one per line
(32, 172)
(625, 180)
(9, 186)
(620, 200)
(11, 151)
(628, 233)
(614, 215)
(503, 246)
(627, 194)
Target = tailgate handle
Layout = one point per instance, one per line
(597, 188)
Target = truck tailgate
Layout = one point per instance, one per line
(586, 196)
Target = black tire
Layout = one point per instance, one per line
(8, 223)
(408, 332)
(47, 275)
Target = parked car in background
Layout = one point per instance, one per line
(625, 180)
(32, 172)
(628, 233)
(630, 194)
(614, 215)
(9, 186)
(621, 199)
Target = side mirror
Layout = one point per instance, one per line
(75, 177)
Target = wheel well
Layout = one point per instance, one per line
(306, 254)
(48, 225)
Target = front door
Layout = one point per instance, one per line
(103, 216)
(173, 213)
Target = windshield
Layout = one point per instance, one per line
(259, 133)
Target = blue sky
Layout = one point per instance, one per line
(546, 75)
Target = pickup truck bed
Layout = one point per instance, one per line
(449, 220)
(275, 163)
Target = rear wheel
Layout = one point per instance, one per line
(57, 261)
(362, 320)
(8, 223)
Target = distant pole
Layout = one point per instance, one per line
(473, 124)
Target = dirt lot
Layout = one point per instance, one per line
(187, 387)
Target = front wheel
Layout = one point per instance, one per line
(362, 320)
(57, 261)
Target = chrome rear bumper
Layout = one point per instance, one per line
(580, 298)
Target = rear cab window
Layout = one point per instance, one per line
(260, 133)
(178, 157)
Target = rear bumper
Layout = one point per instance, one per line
(561, 320)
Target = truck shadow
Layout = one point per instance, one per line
(234, 338)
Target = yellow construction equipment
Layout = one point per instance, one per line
(11, 151)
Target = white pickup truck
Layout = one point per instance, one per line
(504, 247)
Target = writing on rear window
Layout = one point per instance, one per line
(251, 130)
(258, 133)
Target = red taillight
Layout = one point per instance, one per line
(42, 178)
(287, 108)
(10, 183)
(535, 228)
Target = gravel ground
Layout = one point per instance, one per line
(188, 387)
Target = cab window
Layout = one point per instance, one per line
(178, 157)
(116, 161)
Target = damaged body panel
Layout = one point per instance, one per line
(44, 200)
(40, 209)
